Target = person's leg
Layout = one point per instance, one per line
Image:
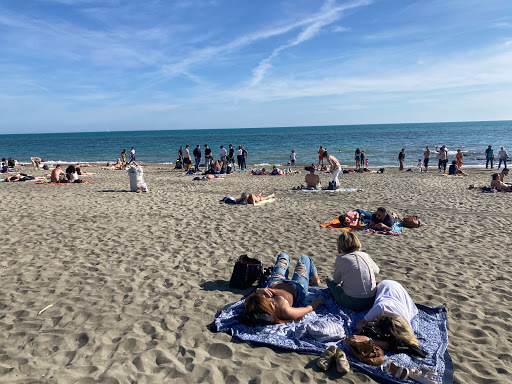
(335, 179)
(304, 273)
(281, 267)
(272, 196)
(492, 161)
(346, 301)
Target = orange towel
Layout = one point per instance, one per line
(335, 223)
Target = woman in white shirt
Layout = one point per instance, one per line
(353, 282)
(503, 156)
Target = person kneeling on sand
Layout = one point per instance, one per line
(251, 198)
(312, 179)
(388, 323)
(499, 185)
(353, 283)
(280, 299)
(381, 220)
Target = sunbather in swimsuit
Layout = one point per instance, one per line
(252, 198)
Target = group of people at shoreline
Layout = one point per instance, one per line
(226, 157)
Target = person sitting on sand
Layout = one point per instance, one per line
(252, 198)
(499, 185)
(388, 322)
(454, 170)
(278, 301)
(353, 283)
(71, 174)
(312, 179)
(58, 175)
(23, 177)
(381, 220)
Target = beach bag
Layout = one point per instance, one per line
(245, 272)
(411, 222)
(368, 353)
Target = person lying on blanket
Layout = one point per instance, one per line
(499, 185)
(353, 219)
(353, 283)
(381, 220)
(388, 322)
(280, 299)
(23, 177)
(251, 198)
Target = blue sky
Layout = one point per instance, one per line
(94, 65)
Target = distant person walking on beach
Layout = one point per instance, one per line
(357, 157)
(123, 156)
(443, 158)
(244, 157)
(321, 156)
(239, 152)
(460, 159)
(223, 154)
(132, 155)
(489, 157)
(335, 168)
(426, 158)
(207, 157)
(197, 157)
(293, 157)
(186, 158)
(231, 156)
(503, 156)
(401, 158)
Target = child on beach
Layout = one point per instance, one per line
(420, 165)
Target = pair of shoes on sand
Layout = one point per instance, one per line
(334, 354)
(423, 375)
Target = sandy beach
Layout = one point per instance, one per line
(131, 281)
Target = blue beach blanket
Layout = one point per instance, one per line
(429, 326)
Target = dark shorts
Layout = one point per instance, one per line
(425, 161)
(186, 160)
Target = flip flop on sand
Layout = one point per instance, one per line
(393, 369)
(325, 359)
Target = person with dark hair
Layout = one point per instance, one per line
(207, 157)
(426, 158)
(197, 157)
(335, 168)
(357, 157)
(231, 156)
(401, 159)
(56, 175)
(280, 299)
(499, 185)
(5, 166)
(381, 220)
(489, 156)
(132, 155)
(71, 174)
(454, 170)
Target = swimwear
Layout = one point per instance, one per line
(259, 197)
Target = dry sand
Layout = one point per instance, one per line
(135, 279)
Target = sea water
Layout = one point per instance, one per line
(271, 146)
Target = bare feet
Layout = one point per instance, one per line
(315, 281)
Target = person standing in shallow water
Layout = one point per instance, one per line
(489, 157)
(123, 156)
(426, 158)
(401, 158)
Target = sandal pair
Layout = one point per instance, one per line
(336, 354)
(424, 375)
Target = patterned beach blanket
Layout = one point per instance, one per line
(430, 326)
